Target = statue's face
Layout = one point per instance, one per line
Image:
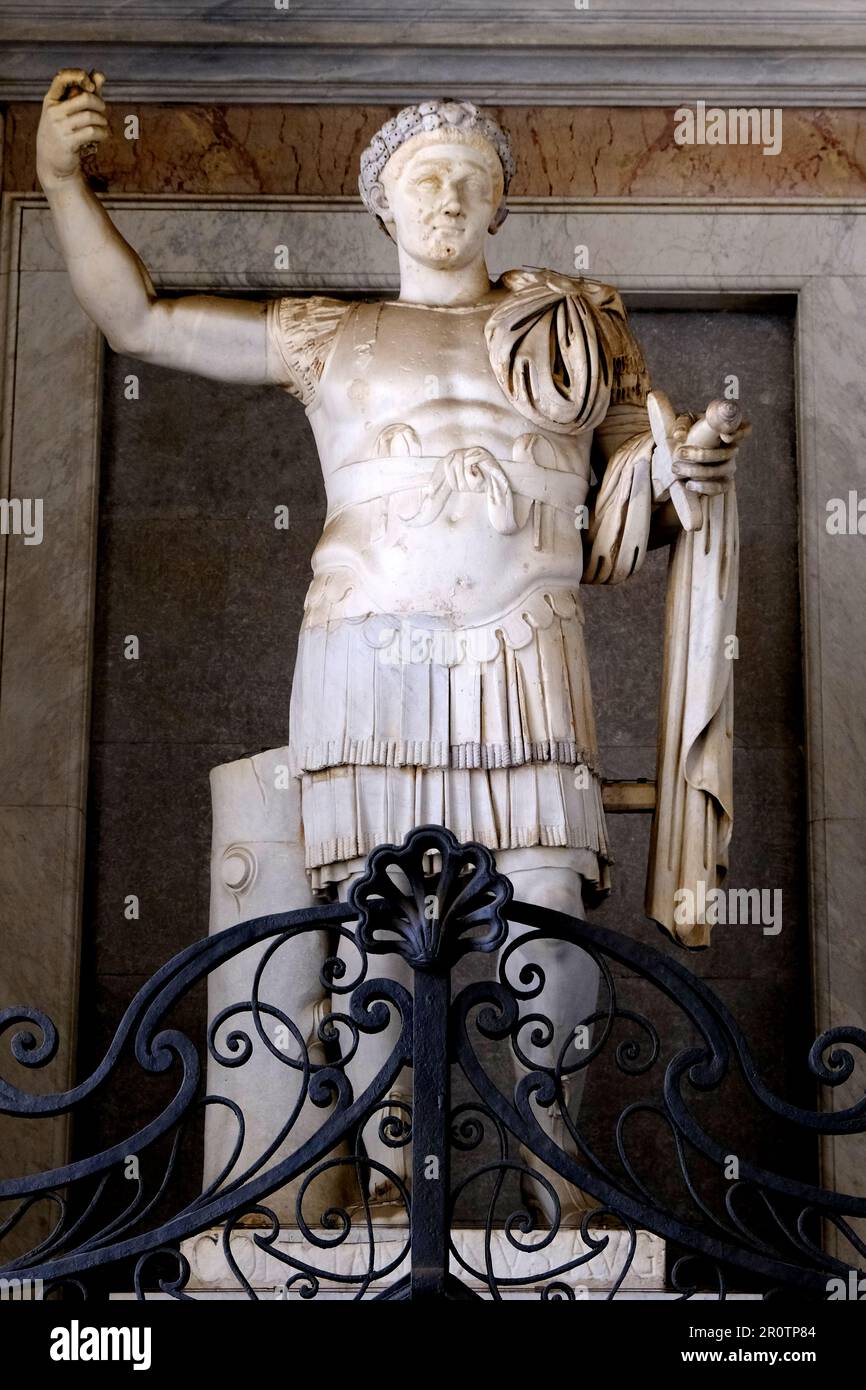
(441, 203)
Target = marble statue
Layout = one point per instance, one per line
(487, 446)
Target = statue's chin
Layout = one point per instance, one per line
(443, 255)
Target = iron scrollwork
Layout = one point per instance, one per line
(433, 902)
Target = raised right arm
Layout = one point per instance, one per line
(214, 337)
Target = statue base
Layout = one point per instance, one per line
(347, 1263)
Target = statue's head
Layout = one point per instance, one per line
(436, 178)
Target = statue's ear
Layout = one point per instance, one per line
(381, 209)
(379, 202)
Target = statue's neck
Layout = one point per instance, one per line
(422, 284)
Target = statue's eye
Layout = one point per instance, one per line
(429, 181)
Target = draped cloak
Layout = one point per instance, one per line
(531, 340)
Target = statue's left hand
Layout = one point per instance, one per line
(693, 456)
(701, 469)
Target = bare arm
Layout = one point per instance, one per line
(221, 338)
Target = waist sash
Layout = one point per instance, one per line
(376, 478)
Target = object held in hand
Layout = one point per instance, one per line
(717, 427)
(76, 90)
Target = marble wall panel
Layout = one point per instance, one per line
(560, 151)
(48, 585)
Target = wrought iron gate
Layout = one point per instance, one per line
(768, 1229)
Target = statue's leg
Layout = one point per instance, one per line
(569, 997)
(373, 1052)
(257, 867)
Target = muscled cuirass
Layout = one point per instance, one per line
(443, 625)
(443, 499)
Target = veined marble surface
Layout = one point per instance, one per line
(598, 151)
